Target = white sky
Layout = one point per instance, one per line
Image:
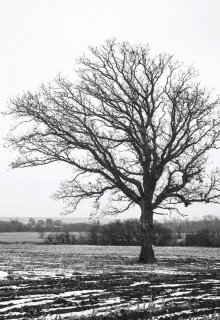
(40, 38)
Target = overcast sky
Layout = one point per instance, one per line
(40, 38)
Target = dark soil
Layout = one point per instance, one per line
(173, 289)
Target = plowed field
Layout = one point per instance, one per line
(42, 282)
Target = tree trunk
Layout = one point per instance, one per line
(147, 252)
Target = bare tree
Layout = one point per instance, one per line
(136, 130)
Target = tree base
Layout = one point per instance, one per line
(147, 261)
(147, 256)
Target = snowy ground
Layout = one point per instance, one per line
(44, 281)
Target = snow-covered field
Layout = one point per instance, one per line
(42, 282)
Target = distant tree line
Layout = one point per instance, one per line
(212, 223)
(127, 233)
(204, 232)
(117, 233)
(203, 238)
(47, 225)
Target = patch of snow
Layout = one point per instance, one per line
(138, 283)
(22, 303)
(112, 300)
(79, 292)
(210, 281)
(27, 300)
(180, 293)
(70, 314)
(211, 297)
(43, 273)
(3, 274)
(139, 305)
(170, 285)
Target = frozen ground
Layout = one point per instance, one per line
(39, 281)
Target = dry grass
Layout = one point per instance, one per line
(22, 237)
(11, 237)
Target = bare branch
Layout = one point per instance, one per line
(134, 129)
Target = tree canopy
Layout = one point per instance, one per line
(135, 129)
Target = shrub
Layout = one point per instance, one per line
(60, 238)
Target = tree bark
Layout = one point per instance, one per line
(147, 251)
